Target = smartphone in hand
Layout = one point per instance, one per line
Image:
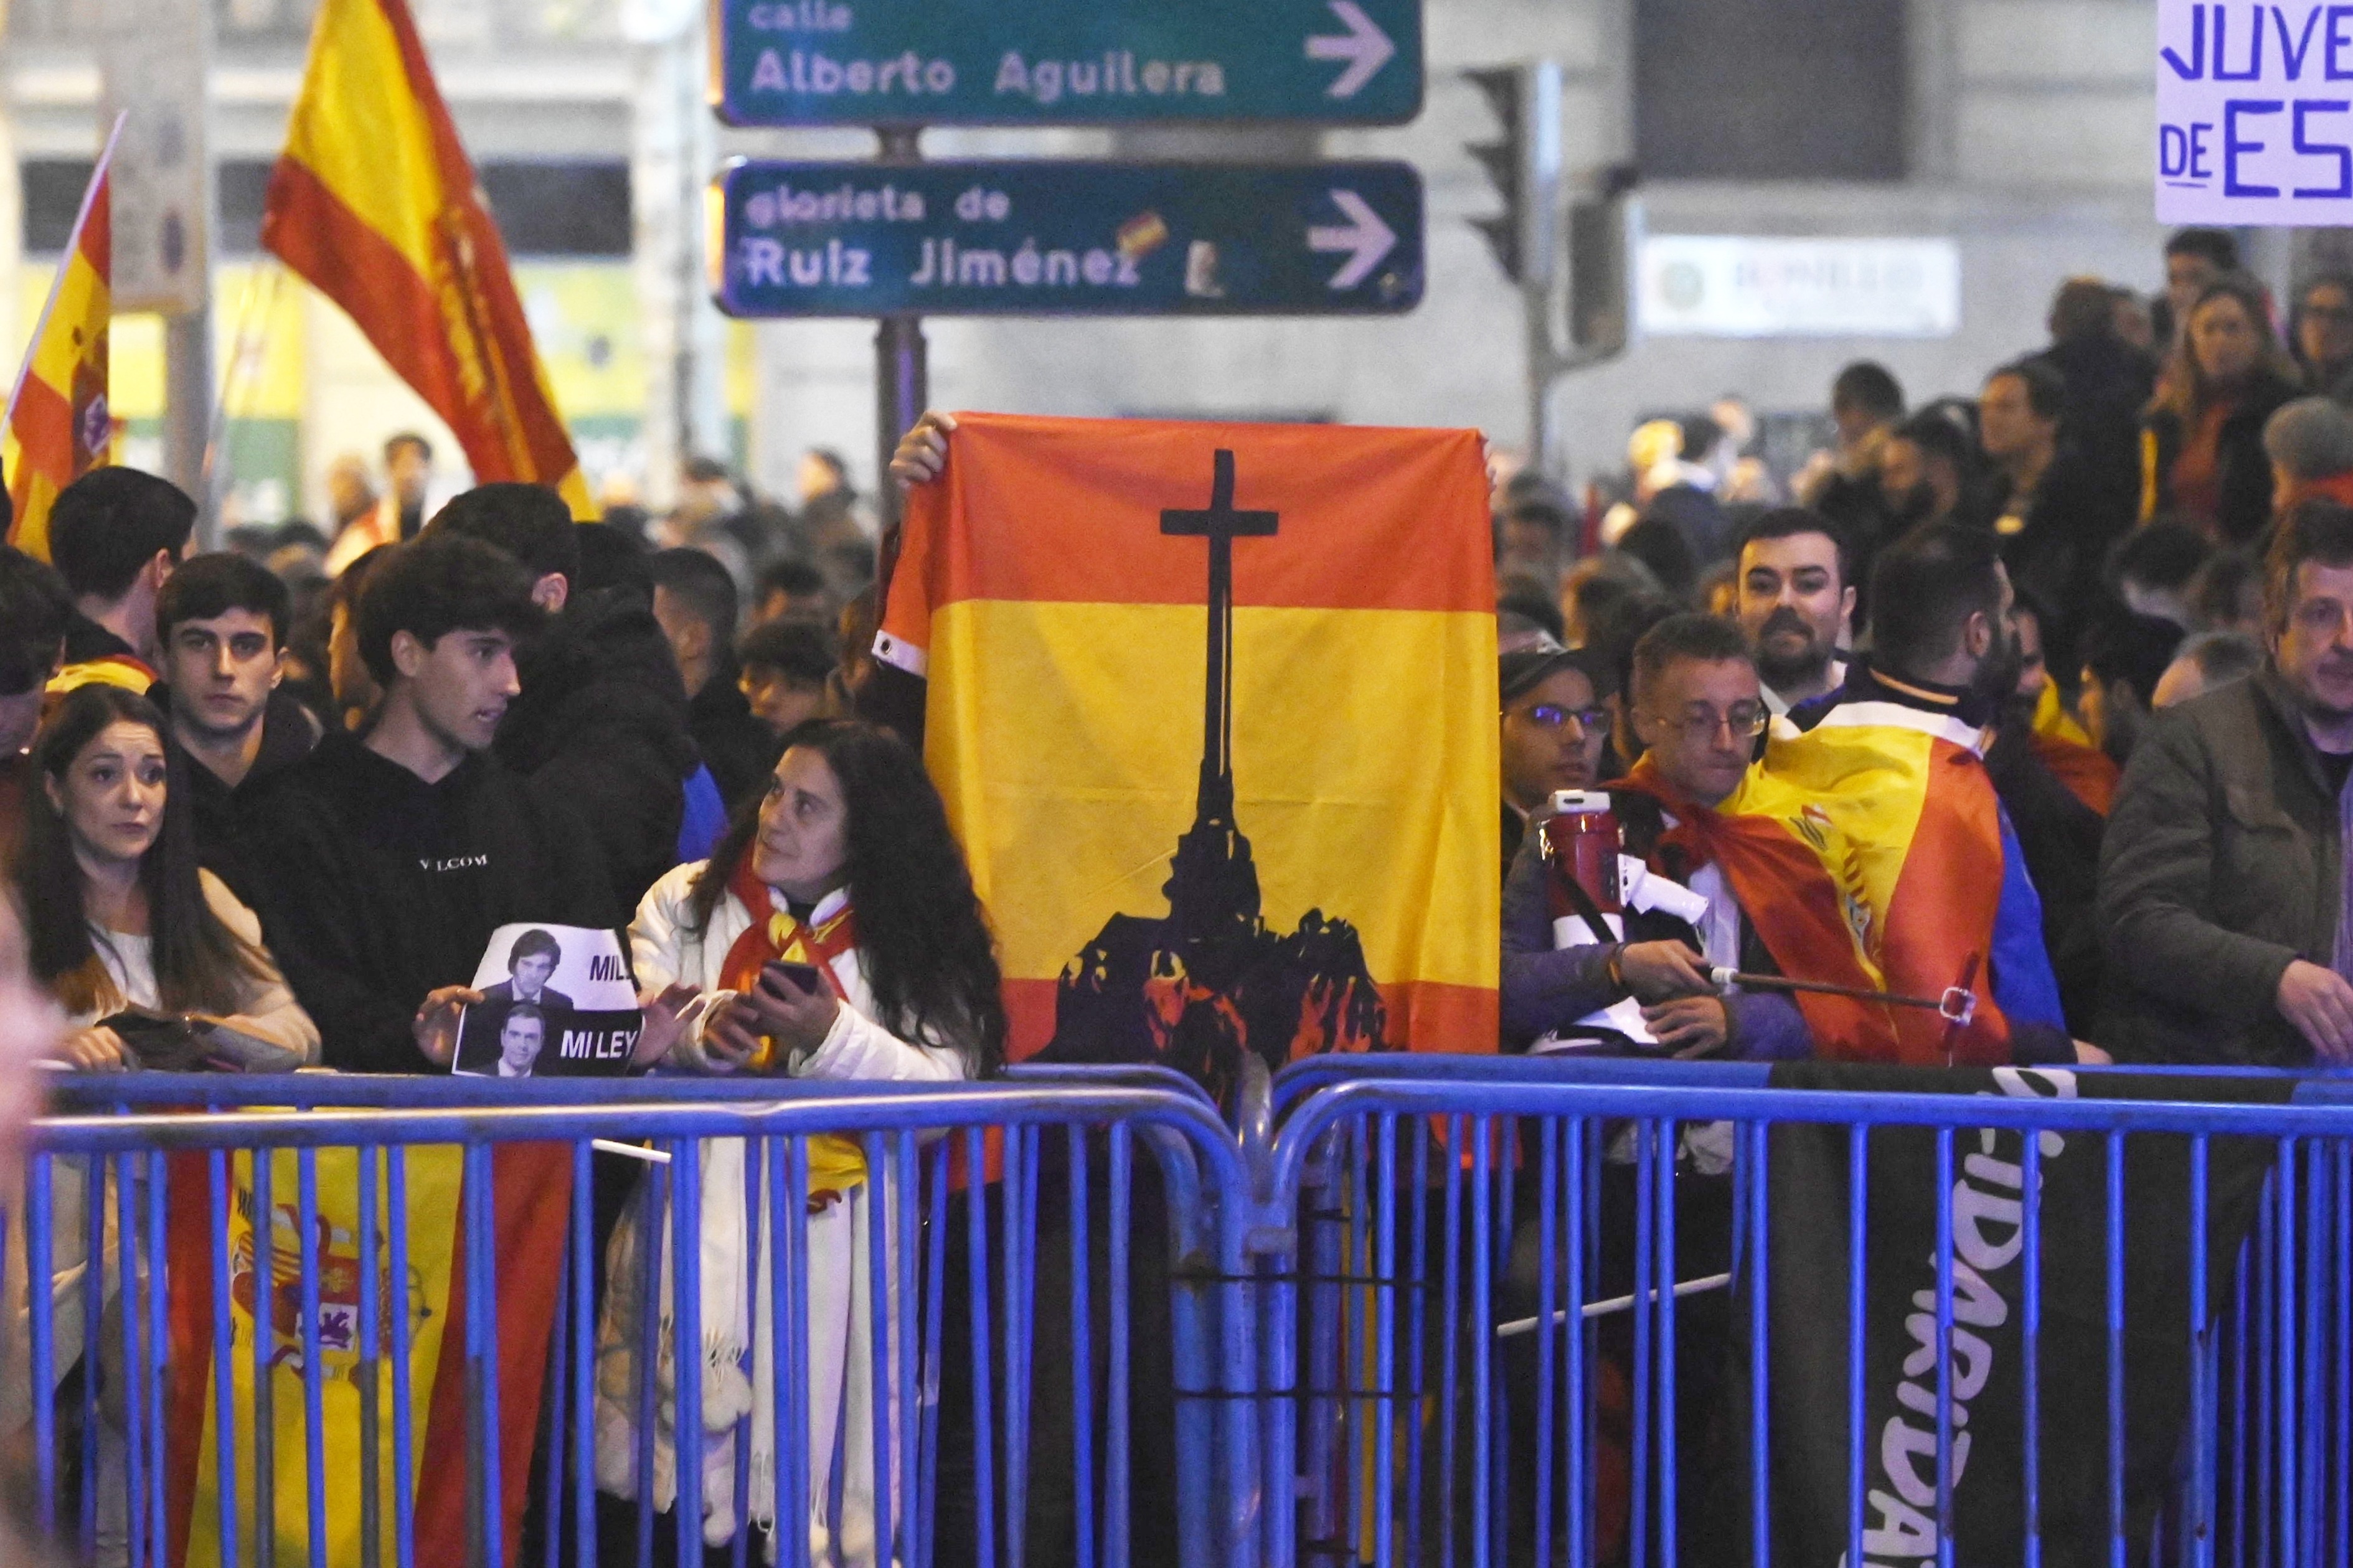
(801, 977)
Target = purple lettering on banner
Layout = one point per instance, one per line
(2233, 144)
(2343, 188)
(2295, 54)
(2194, 67)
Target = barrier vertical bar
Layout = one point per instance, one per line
(935, 1245)
(127, 1232)
(1451, 1342)
(1083, 1415)
(653, 1238)
(1356, 1413)
(754, 1241)
(582, 1372)
(2114, 1229)
(93, 1279)
(1548, 1156)
(158, 1343)
(907, 1188)
(881, 1349)
(2343, 1383)
(1670, 1459)
(1416, 1318)
(2239, 1406)
(794, 1457)
(1317, 1255)
(2198, 1527)
(1638, 1508)
(404, 1487)
(226, 1471)
(1483, 1319)
(1577, 1515)
(686, 1345)
(483, 1308)
(1496, 1435)
(2030, 1183)
(1116, 1450)
(2285, 1355)
(1858, 1172)
(1757, 1166)
(1385, 1353)
(369, 1373)
(314, 1417)
(557, 1387)
(40, 1340)
(983, 1478)
(1945, 1346)
(2309, 1430)
(1014, 1340)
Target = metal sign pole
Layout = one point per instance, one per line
(902, 368)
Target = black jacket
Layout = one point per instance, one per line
(2063, 532)
(2223, 864)
(2108, 385)
(2247, 468)
(288, 733)
(376, 888)
(600, 731)
(740, 751)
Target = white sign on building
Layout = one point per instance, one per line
(2254, 113)
(1731, 286)
(151, 63)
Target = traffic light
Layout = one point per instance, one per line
(1605, 230)
(1523, 161)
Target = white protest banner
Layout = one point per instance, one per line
(2254, 113)
(556, 1003)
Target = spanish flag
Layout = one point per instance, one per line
(1905, 831)
(57, 426)
(373, 201)
(404, 1431)
(2065, 747)
(1213, 710)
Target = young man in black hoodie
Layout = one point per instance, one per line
(382, 865)
(220, 625)
(601, 723)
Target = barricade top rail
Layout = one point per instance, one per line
(1304, 1078)
(1319, 1112)
(511, 1113)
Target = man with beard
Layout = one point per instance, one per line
(1795, 597)
(1928, 472)
(1945, 647)
(2221, 880)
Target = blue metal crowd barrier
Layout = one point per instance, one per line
(1410, 1310)
(1508, 1276)
(196, 1171)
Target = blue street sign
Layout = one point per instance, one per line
(1037, 238)
(1066, 62)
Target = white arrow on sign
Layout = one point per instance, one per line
(1364, 46)
(1366, 239)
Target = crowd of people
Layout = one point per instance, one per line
(286, 792)
(2125, 569)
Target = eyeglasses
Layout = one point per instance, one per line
(1744, 722)
(1551, 716)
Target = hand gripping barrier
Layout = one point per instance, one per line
(374, 1321)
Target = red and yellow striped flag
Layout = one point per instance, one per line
(2066, 749)
(57, 426)
(373, 201)
(1213, 710)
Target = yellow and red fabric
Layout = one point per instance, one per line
(2066, 748)
(57, 426)
(374, 202)
(1867, 852)
(530, 1219)
(1063, 634)
(836, 1164)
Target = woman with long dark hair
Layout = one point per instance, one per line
(119, 917)
(834, 933)
(2202, 454)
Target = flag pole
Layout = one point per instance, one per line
(58, 283)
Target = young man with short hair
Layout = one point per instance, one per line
(382, 865)
(1795, 597)
(115, 536)
(600, 722)
(221, 624)
(694, 600)
(2222, 892)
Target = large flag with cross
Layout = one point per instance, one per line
(1213, 710)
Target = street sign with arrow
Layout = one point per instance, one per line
(1067, 62)
(1067, 238)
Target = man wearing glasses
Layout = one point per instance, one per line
(1555, 727)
